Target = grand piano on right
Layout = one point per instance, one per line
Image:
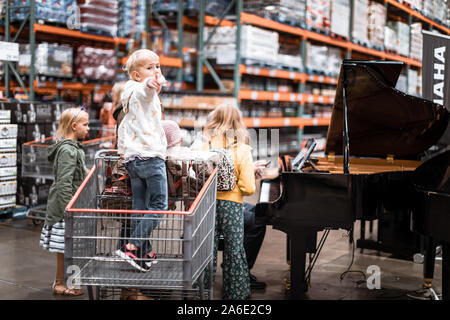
(375, 136)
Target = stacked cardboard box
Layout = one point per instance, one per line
(285, 11)
(256, 43)
(402, 33)
(440, 10)
(131, 17)
(33, 121)
(323, 59)
(436, 9)
(377, 22)
(55, 11)
(360, 20)
(318, 14)
(95, 63)
(2, 9)
(51, 59)
(413, 82)
(340, 17)
(416, 41)
(390, 38)
(417, 4)
(8, 160)
(402, 83)
(99, 16)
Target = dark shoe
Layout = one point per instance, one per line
(255, 284)
(132, 257)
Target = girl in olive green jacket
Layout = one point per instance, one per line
(69, 169)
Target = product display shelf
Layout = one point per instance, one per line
(310, 35)
(414, 13)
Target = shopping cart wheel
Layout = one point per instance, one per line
(91, 293)
(37, 222)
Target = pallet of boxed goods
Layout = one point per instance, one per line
(99, 16)
(390, 39)
(340, 18)
(256, 43)
(402, 32)
(376, 24)
(290, 12)
(323, 59)
(416, 41)
(360, 21)
(53, 60)
(318, 15)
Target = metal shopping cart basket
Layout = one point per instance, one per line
(36, 165)
(98, 220)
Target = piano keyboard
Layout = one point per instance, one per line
(270, 191)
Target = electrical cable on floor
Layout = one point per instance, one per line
(342, 276)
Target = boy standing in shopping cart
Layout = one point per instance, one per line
(142, 144)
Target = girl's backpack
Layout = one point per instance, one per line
(226, 175)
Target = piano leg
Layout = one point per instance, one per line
(362, 232)
(428, 264)
(445, 270)
(298, 262)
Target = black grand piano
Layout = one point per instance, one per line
(383, 130)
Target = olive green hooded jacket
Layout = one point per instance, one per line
(69, 170)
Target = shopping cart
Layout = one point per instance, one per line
(98, 220)
(36, 165)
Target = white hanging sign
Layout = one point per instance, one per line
(9, 51)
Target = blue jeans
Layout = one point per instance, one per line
(149, 192)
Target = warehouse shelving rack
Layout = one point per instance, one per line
(33, 86)
(349, 46)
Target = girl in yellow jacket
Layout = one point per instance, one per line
(225, 128)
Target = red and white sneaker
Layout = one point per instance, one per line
(132, 257)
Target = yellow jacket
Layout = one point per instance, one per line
(245, 175)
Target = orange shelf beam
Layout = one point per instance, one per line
(171, 62)
(76, 86)
(77, 34)
(163, 61)
(274, 73)
(284, 96)
(285, 122)
(269, 96)
(283, 74)
(209, 20)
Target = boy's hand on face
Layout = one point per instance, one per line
(154, 84)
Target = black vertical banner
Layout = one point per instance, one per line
(436, 68)
(436, 73)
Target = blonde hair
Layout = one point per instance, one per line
(224, 121)
(67, 118)
(135, 60)
(116, 92)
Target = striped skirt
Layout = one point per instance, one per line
(52, 237)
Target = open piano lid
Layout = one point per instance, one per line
(382, 121)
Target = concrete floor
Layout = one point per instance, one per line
(27, 271)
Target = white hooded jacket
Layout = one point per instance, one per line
(141, 133)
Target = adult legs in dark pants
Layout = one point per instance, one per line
(254, 232)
